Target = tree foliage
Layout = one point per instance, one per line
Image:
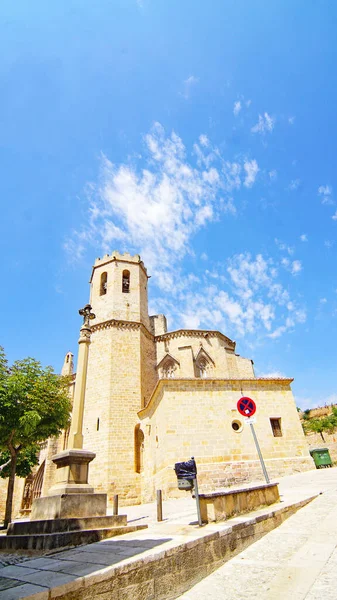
(27, 459)
(321, 424)
(34, 405)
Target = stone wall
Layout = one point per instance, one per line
(166, 574)
(113, 397)
(184, 346)
(194, 418)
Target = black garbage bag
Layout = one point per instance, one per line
(186, 470)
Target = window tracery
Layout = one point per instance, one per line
(203, 365)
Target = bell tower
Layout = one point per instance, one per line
(119, 289)
(121, 372)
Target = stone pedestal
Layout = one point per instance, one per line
(71, 496)
(72, 472)
(68, 506)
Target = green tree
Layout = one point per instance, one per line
(316, 426)
(34, 405)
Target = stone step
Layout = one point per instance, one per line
(50, 541)
(63, 525)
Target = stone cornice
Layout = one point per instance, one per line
(193, 382)
(117, 257)
(200, 333)
(119, 324)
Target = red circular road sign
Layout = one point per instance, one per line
(246, 406)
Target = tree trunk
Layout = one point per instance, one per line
(10, 490)
(322, 436)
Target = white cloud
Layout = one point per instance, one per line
(304, 237)
(284, 247)
(307, 402)
(334, 217)
(251, 168)
(325, 193)
(264, 125)
(203, 140)
(323, 300)
(296, 267)
(188, 84)
(329, 243)
(272, 374)
(272, 175)
(237, 108)
(170, 195)
(294, 184)
(291, 120)
(156, 209)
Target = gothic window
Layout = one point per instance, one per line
(104, 284)
(168, 370)
(139, 449)
(126, 282)
(203, 366)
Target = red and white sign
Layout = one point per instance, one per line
(246, 406)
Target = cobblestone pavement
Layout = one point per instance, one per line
(296, 561)
(11, 559)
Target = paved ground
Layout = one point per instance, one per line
(297, 560)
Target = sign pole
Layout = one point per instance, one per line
(259, 453)
(247, 408)
(196, 491)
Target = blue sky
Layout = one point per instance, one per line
(200, 135)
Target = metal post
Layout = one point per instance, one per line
(159, 506)
(115, 505)
(195, 483)
(259, 453)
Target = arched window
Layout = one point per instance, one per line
(126, 282)
(104, 284)
(203, 365)
(139, 448)
(203, 368)
(169, 370)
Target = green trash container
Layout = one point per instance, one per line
(321, 458)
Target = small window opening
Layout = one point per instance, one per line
(104, 284)
(139, 449)
(97, 427)
(276, 427)
(67, 358)
(126, 282)
(237, 426)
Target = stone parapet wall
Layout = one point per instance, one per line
(166, 574)
(215, 476)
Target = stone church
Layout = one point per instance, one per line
(155, 397)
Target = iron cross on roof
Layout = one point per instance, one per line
(87, 315)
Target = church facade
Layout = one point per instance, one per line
(155, 397)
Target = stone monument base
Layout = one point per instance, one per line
(67, 506)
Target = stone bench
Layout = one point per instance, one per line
(218, 506)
